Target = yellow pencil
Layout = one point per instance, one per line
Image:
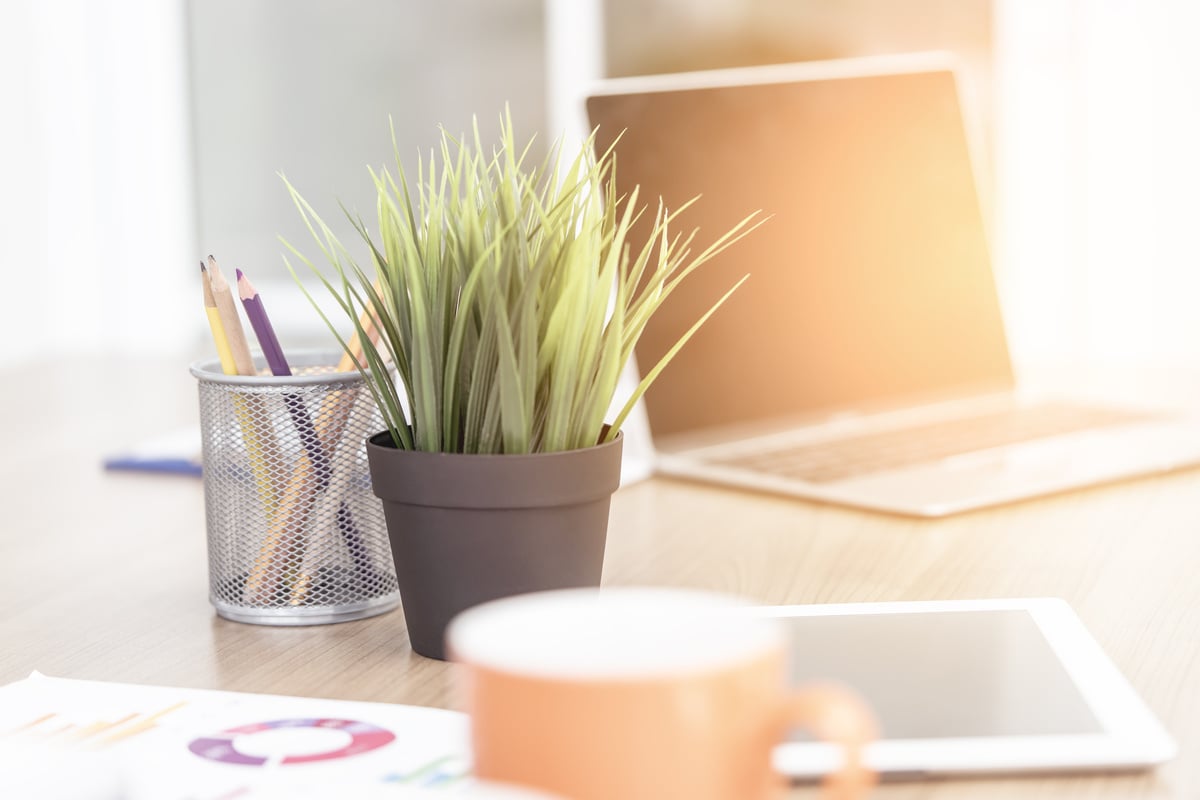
(214, 323)
(230, 321)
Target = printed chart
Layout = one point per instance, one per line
(178, 744)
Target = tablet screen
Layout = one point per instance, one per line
(944, 674)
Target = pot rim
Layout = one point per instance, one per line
(371, 443)
(494, 480)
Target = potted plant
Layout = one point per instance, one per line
(507, 297)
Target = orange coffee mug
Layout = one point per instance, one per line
(642, 694)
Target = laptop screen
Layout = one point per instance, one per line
(870, 285)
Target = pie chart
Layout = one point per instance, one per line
(289, 742)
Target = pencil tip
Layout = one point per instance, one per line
(239, 273)
(202, 267)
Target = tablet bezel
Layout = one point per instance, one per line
(1132, 737)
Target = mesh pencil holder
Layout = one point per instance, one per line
(295, 534)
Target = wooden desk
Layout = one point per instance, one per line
(103, 576)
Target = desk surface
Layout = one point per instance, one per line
(104, 577)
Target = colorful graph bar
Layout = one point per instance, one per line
(93, 733)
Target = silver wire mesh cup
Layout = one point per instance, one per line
(295, 534)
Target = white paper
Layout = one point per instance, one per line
(109, 741)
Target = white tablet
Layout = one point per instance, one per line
(981, 686)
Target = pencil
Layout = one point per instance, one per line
(285, 536)
(333, 503)
(310, 476)
(353, 355)
(312, 473)
(214, 324)
(232, 324)
(253, 419)
(244, 414)
(331, 422)
(256, 312)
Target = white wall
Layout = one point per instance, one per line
(306, 87)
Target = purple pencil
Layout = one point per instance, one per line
(316, 449)
(267, 341)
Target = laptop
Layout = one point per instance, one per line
(865, 361)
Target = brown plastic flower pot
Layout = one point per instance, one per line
(465, 529)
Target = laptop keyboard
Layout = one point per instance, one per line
(826, 461)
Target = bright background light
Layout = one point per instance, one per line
(1097, 119)
(1087, 108)
(95, 200)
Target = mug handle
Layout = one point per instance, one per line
(839, 716)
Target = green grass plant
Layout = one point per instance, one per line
(509, 296)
